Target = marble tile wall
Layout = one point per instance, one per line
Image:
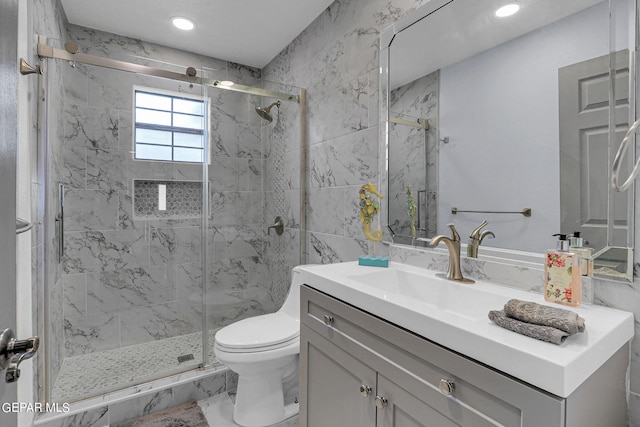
(128, 279)
(143, 399)
(413, 156)
(336, 59)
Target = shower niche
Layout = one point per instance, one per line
(167, 199)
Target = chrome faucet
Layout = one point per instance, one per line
(477, 238)
(453, 244)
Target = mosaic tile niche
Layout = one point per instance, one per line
(183, 199)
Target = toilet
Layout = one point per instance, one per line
(263, 351)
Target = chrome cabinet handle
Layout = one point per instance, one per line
(365, 390)
(328, 319)
(13, 352)
(446, 387)
(381, 402)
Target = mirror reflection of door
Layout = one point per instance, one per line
(584, 148)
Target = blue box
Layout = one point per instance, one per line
(379, 261)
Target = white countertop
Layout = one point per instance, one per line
(558, 369)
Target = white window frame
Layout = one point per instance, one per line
(172, 94)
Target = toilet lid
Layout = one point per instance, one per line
(260, 331)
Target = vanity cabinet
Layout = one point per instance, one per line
(359, 370)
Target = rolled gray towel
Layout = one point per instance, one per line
(539, 314)
(543, 333)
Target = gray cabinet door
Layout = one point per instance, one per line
(403, 409)
(330, 385)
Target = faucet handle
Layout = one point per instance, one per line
(485, 234)
(454, 233)
(475, 234)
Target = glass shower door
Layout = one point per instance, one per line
(126, 154)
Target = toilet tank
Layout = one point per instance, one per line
(291, 305)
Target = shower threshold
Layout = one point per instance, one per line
(89, 375)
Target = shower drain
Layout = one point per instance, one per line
(185, 357)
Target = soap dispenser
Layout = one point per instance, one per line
(576, 245)
(562, 274)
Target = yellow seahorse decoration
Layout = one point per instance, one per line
(368, 209)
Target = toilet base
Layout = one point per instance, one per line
(260, 399)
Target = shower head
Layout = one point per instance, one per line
(264, 112)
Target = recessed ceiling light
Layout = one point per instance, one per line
(183, 23)
(227, 83)
(507, 10)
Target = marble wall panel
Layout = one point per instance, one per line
(75, 294)
(329, 248)
(229, 107)
(241, 140)
(74, 170)
(90, 127)
(326, 210)
(76, 84)
(250, 173)
(225, 206)
(111, 291)
(343, 111)
(90, 210)
(244, 241)
(223, 174)
(94, 251)
(160, 321)
(109, 170)
(175, 245)
(348, 160)
(90, 333)
(187, 280)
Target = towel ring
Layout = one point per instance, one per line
(615, 172)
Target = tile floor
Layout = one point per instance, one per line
(218, 410)
(92, 374)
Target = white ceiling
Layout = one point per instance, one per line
(466, 27)
(249, 32)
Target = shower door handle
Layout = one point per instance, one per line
(60, 221)
(420, 228)
(13, 352)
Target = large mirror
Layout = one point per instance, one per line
(507, 119)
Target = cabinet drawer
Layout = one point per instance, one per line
(479, 394)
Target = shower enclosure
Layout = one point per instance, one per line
(160, 183)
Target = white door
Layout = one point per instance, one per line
(584, 147)
(8, 147)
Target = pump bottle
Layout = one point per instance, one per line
(562, 274)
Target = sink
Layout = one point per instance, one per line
(434, 290)
(455, 315)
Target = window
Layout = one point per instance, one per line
(169, 126)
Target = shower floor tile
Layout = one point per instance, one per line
(92, 374)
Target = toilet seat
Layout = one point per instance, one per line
(260, 333)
